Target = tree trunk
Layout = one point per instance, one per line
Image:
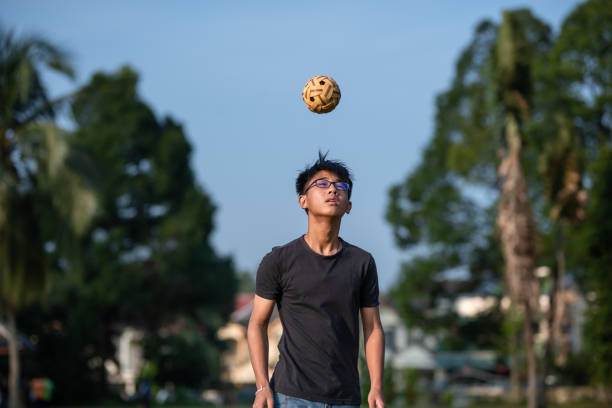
(517, 235)
(14, 394)
(513, 332)
(3, 147)
(554, 313)
(533, 394)
(562, 341)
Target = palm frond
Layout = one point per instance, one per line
(58, 174)
(22, 91)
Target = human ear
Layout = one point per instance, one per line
(302, 201)
(349, 205)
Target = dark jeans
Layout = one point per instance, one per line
(285, 401)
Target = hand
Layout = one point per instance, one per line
(264, 399)
(375, 399)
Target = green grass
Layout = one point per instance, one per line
(574, 405)
(492, 405)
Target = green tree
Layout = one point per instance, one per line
(563, 170)
(476, 157)
(389, 383)
(246, 282)
(38, 181)
(146, 261)
(513, 80)
(577, 96)
(550, 103)
(597, 245)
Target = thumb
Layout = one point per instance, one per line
(270, 401)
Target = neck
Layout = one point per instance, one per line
(322, 235)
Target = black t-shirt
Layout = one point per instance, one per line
(318, 299)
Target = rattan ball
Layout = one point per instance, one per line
(321, 94)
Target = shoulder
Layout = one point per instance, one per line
(280, 251)
(357, 253)
(290, 246)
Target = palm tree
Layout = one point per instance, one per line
(563, 170)
(515, 218)
(40, 195)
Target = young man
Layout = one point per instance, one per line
(320, 283)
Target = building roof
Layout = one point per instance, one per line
(243, 306)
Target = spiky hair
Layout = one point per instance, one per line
(334, 166)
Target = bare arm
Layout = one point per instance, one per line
(374, 339)
(257, 335)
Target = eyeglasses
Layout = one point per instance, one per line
(324, 183)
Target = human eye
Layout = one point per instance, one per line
(323, 183)
(341, 185)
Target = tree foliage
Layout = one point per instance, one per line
(38, 181)
(146, 261)
(446, 205)
(557, 88)
(597, 244)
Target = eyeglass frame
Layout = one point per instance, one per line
(335, 183)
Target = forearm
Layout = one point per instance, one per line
(257, 335)
(375, 356)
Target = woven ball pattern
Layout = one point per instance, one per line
(321, 94)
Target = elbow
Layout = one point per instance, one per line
(376, 331)
(380, 333)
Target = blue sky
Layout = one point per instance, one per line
(232, 73)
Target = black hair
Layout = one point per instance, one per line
(337, 167)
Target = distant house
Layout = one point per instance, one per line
(129, 355)
(567, 328)
(407, 348)
(236, 360)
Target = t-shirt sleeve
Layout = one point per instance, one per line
(267, 284)
(369, 286)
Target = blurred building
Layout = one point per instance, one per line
(411, 348)
(567, 328)
(406, 348)
(123, 375)
(236, 360)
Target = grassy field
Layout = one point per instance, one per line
(495, 405)
(491, 405)
(579, 405)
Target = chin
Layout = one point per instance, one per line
(329, 211)
(334, 213)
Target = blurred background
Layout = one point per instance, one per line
(148, 156)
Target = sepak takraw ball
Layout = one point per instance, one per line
(321, 94)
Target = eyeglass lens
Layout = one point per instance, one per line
(340, 185)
